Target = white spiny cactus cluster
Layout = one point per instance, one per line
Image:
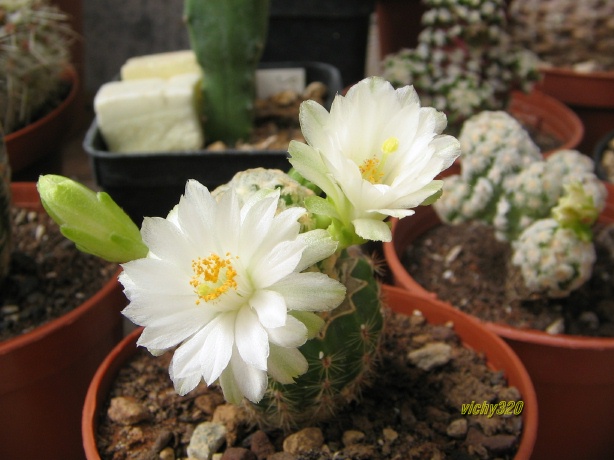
(465, 61)
(543, 207)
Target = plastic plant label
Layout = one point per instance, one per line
(273, 81)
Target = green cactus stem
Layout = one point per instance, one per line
(228, 37)
(5, 217)
(344, 345)
(341, 357)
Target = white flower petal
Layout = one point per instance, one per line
(250, 381)
(319, 246)
(251, 339)
(292, 334)
(310, 291)
(374, 230)
(285, 364)
(270, 307)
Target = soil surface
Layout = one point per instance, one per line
(409, 413)
(48, 276)
(466, 266)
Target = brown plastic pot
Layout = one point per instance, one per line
(573, 375)
(589, 94)
(549, 116)
(472, 333)
(43, 137)
(44, 374)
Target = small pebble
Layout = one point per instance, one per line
(352, 437)
(457, 429)
(167, 454)
(238, 453)
(431, 356)
(304, 440)
(261, 445)
(207, 438)
(556, 327)
(126, 410)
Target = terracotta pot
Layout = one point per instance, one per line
(43, 137)
(45, 372)
(573, 376)
(590, 95)
(547, 115)
(473, 335)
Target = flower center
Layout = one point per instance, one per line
(213, 277)
(372, 169)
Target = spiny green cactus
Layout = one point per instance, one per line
(35, 39)
(465, 61)
(228, 37)
(543, 207)
(341, 357)
(342, 354)
(5, 217)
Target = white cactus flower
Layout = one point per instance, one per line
(375, 155)
(220, 282)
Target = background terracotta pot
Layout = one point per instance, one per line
(573, 376)
(472, 333)
(589, 94)
(44, 373)
(547, 115)
(43, 137)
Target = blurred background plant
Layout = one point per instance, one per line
(35, 41)
(465, 61)
(566, 33)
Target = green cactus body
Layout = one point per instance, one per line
(343, 352)
(341, 357)
(228, 37)
(5, 216)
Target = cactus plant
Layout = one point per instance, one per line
(543, 207)
(465, 61)
(272, 299)
(228, 37)
(35, 39)
(566, 33)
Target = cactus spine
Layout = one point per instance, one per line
(228, 37)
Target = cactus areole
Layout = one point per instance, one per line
(228, 37)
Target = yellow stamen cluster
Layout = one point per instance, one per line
(372, 169)
(213, 276)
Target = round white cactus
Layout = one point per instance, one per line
(553, 259)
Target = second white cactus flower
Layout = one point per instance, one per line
(376, 154)
(220, 282)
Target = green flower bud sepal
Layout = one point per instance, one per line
(92, 220)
